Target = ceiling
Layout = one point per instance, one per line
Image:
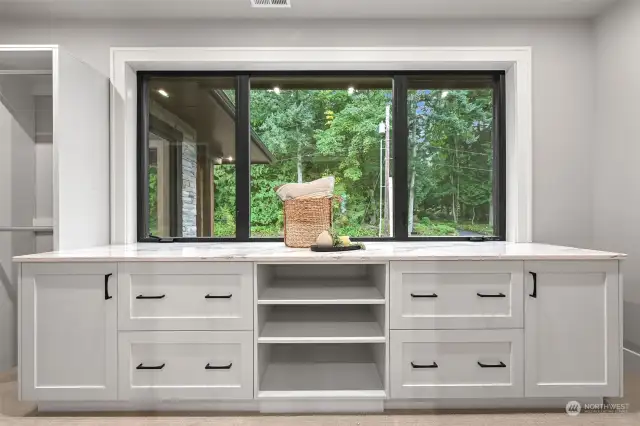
(300, 9)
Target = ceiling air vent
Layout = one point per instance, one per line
(270, 3)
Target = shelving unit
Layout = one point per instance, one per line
(322, 324)
(325, 370)
(318, 292)
(321, 332)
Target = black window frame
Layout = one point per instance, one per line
(399, 150)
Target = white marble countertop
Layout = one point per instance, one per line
(278, 252)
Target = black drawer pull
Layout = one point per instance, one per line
(218, 367)
(106, 287)
(535, 285)
(491, 295)
(434, 365)
(140, 296)
(424, 296)
(209, 296)
(151, 367)
(501, 365)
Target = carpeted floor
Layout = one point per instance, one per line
(13, 412)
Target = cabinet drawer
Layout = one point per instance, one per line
(456, 295)
(457, 364)
(186, 365)
(186, 296)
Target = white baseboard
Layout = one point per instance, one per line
(322, 406)
(486, 404)
(316, 406)
(125, 406)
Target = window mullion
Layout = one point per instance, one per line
(400, 158)
(243, 159)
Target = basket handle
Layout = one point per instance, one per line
(337, 198)
(334, 197)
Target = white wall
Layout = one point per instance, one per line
(616, 163)
(563, 76)
(81, 154)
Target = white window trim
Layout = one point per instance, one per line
(515, 61)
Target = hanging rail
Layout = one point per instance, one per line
(25, 72)
(26, 228)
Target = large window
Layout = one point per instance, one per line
(322, 126)
(452, 157)
(414, 156)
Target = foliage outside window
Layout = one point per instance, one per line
(315, 127)
(450, 162)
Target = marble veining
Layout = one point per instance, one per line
(278, 252)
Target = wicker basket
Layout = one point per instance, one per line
(305, 219)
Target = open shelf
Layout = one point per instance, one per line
(313, 284)
(311, 380)
(322, 371)
(322, 324)
(319, 292)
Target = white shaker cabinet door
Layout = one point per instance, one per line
(572, 329)
(68, 332)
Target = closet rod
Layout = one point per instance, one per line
(26, 228)
(25, 72)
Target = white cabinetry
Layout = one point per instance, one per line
(186, 296)
(287, 333)
(321, 331)
(456, 329)
(456, 295)
(186, 365)
(572, 329)
(457, 364)
(68, 332)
